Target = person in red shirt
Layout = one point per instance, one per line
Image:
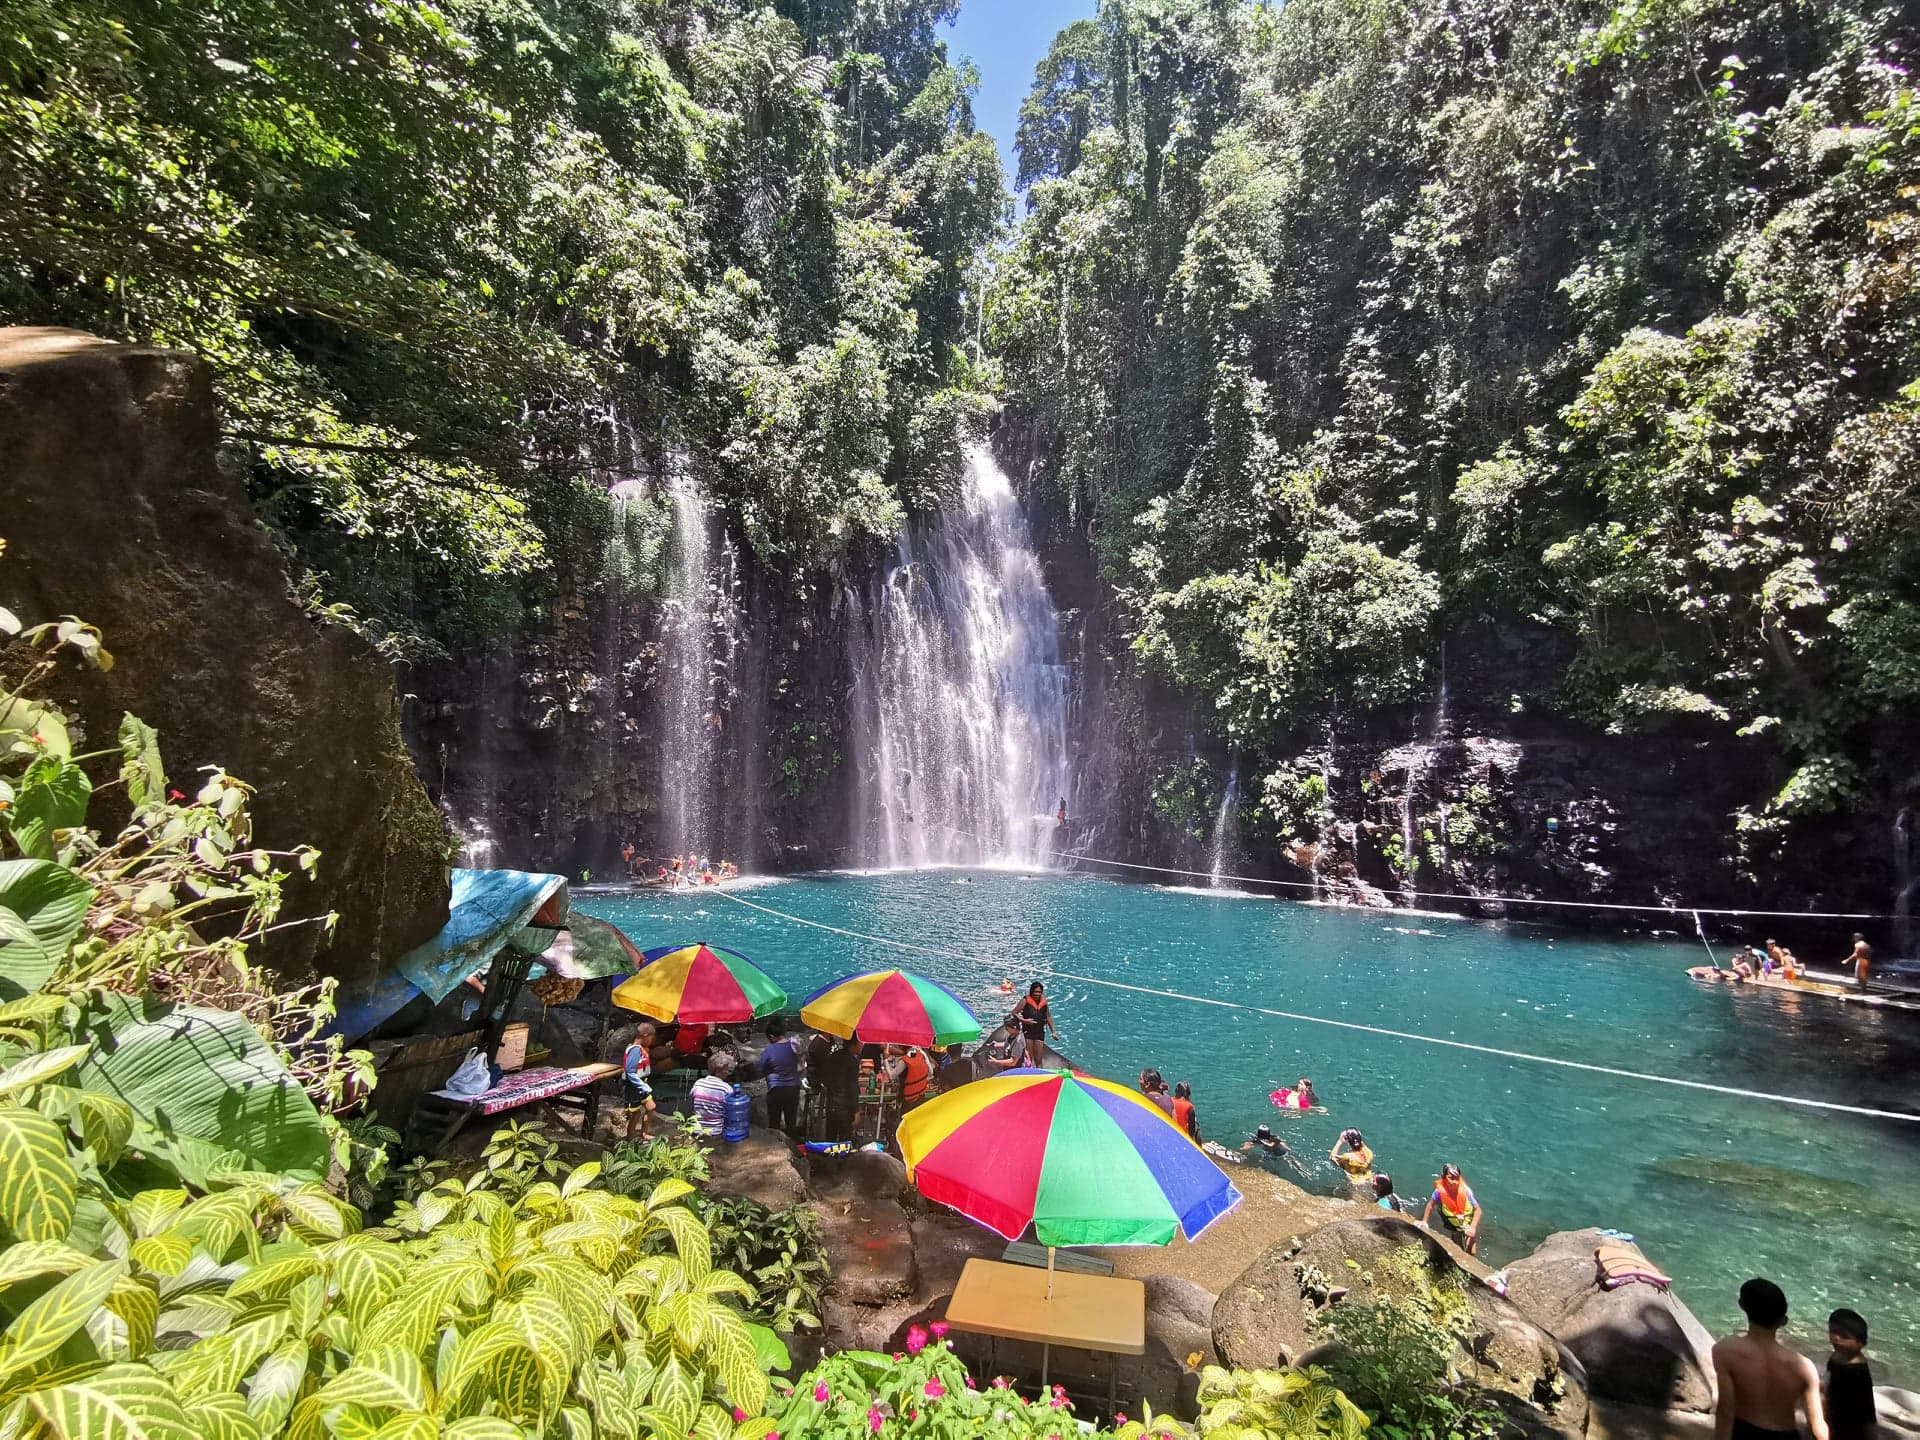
(1183, 1111)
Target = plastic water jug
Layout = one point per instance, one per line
(735, 1113)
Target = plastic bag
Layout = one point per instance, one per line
(470, 1081)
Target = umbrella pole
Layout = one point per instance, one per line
(1049, 1272)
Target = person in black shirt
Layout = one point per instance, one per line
(1850, 1412)
(833, 1068)
(1036, 1019)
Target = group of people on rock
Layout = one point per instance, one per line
(1777, 965)
(677, 870)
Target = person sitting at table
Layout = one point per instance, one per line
(690, 1046)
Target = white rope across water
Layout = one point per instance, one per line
(1465, 898)
(1803, 1101)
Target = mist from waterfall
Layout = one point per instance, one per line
(959, 703)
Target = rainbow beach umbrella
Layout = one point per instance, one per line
(1084, 1161)
(699, 985)
(890, 1007)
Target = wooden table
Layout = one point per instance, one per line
(1085, 1312)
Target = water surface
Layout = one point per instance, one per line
(1717, 1188)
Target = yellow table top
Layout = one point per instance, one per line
(1086, 1312)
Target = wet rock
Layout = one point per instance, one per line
(868, 1236)
(1266, 1317)
(118, 511)
(1639, 1345)
(759, 1167)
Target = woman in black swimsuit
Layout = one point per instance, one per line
(1036, 1018)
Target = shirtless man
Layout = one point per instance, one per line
(1761, 1382)
(1861, 959)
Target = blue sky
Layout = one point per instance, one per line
(1006, 39)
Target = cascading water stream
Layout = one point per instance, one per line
(699, 628)
(1226, 825)
(960, 694)
(1904, 883)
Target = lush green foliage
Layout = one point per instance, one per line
(460, 267)
(1343, 321)
(779, 1252)
(1397, 1337)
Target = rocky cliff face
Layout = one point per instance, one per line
(551, 749)
(1482, 791)
(116, 510)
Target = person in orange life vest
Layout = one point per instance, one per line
(1459, 1211)
(1183, 1112)
(908, 1070)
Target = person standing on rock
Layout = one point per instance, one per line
(1460, 1210)
(636, 1068)
(781, 1062)
(1036, 1019)
(1861, 959)
(1761, 1383)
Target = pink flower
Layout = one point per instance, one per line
(874, 1418)
(939, 1329)
(1119, 1418)
(913, 1414)
(999, 1382)
(935, 1389)
(916, 1340)
(970, 1384)
(821, 1393)
(738, 1414)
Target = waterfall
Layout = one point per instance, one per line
(1225, 828)
(959, 703)
(699, 629)
(1904, 883)
(1409, 856)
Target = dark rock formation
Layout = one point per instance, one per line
(1266, 1317)
(1639, 1345)
(117, 510)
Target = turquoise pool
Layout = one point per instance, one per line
(1718, 1188)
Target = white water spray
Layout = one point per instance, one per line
(699, 629)
(960, 695)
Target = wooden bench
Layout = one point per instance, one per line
(1022, 1252)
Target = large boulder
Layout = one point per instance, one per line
(1638, 1345)
(866, 1231)
(1267, 1317)
(117, 510)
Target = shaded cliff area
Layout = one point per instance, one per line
(118, 511)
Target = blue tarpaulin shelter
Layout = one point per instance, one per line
(486, 910)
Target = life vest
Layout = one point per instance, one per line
(1183, 1114)
(913, 1079)
(1456, 1200)
(1356, 1162)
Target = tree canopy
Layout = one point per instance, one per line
(463, 266)
(1344, 322)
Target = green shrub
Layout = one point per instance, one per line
(778, 1252)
